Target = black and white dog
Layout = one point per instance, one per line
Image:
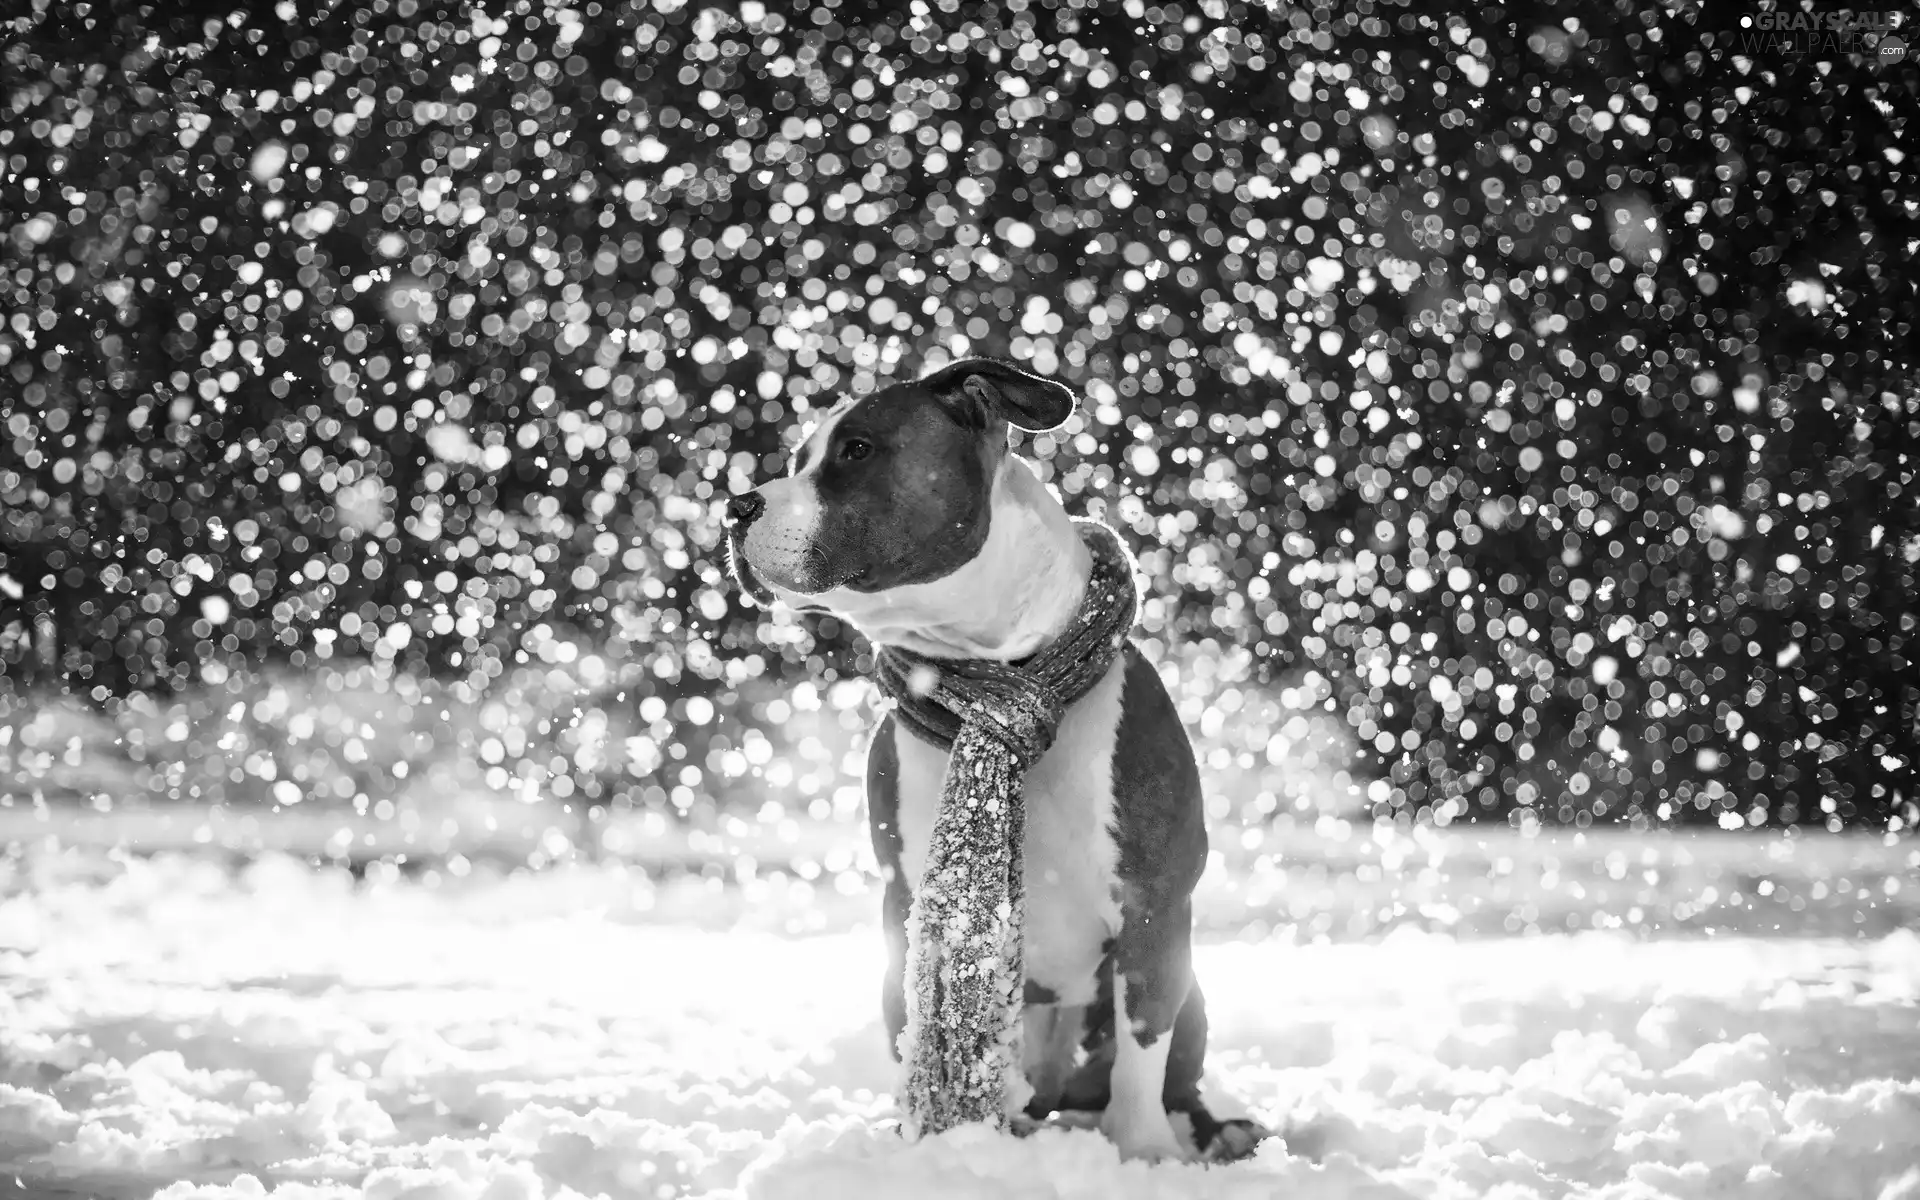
(906, 513)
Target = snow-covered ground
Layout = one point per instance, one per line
(173, 1022)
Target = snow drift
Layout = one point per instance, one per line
(178, 1026)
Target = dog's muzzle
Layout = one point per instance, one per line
(742, 512)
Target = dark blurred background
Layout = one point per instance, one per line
(1514, 409)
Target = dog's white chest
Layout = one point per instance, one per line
(1070, 855)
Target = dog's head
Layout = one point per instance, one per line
(889, 490)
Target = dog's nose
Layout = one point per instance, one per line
(743, 511)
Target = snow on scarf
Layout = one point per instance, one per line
(964, 970)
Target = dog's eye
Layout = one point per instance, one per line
(855, 449)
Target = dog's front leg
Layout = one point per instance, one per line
(1052, 1034)
(1152, 972)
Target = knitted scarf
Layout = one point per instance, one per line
(964, 975)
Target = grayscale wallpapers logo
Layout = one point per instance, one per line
(1878, 36)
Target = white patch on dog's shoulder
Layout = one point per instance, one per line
(1071, 857)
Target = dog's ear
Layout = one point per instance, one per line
(997, 389)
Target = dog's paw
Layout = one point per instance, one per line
(1234, 1140)
(1143, 1137)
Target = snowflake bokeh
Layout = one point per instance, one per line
(1516, 419)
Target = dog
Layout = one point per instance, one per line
(906, 513)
